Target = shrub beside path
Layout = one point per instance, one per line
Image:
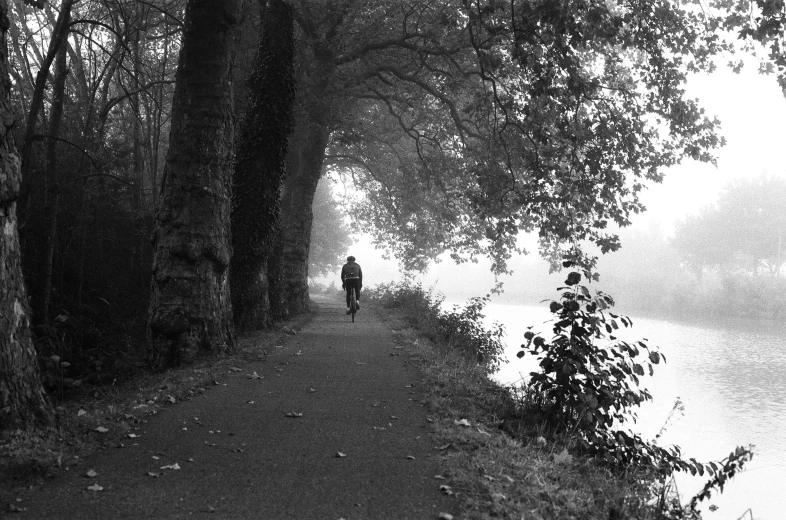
(328, 426)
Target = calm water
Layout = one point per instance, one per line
(731, 378)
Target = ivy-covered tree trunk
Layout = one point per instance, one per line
(307, 152)
(260, 166)
(22, 399)
(190, 310)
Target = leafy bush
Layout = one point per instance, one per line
(589, 384)
(459, 329)
(463, 329)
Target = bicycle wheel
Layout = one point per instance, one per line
(353, 304)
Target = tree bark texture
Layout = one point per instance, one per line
(260, 166)
(307, 151)
(22, 400)
(190, 310)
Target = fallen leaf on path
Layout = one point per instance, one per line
(190, 460)
(393, 417)
(279, 346)
(462, 422)
(484, 432)
(156, 457)
(439, 477)
(359, 363)
(498, 496)
(445, 516)
(446, 490)
(154, 474)
(170, 399)
(509, 479)
(563, 458)
(80, 413)
(340, 455)
(255, 376)
(250, 402)
(235, 369)
(102, 429)
(133, 436)
(13, 508)
(294, 415)
(410, 457)
(174, 466)
(95, 487)
(311, 390)
(379, 428)
(299, 353)
(91, 473)
(443, 447)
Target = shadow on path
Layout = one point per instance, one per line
(241, 457)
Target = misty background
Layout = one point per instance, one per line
(649, 274)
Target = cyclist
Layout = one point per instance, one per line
(352, 277)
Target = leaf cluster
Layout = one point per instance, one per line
(460, 329)
(589, 383)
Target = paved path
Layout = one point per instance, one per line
(241, 457)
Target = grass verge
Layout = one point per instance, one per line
(499, 460)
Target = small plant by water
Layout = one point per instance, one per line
(589, 384)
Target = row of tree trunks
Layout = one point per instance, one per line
(260, 167)
(307, 152)
(307, 147)
(190, 310)
(22, 400)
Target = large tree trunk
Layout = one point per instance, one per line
(22, 399)
(307, 152)
(190, 310)
(260, 166)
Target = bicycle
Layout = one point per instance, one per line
(353, 303)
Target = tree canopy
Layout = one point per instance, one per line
(744, 230)
(480, 120)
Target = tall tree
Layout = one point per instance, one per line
(190, 310)
(554, 122)
(260, 166)
(22, 399)
(744, 230)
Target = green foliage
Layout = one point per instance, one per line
(576, 107)
(589, 384)
(460, 329)
(464, 330)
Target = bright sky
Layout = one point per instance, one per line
(752, 110)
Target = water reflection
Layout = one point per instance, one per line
(731, 377)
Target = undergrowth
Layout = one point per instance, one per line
(552, 448)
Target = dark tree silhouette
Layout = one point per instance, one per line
(190, 309)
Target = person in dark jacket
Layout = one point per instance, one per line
(352, 277)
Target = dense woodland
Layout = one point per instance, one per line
(161, 157)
